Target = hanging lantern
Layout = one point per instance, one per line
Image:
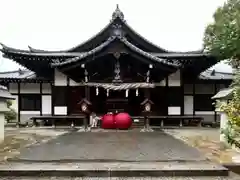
(97, 91)
(136, 92)
(126, 93)
(107, 92)
(147, 107)
(84, 107)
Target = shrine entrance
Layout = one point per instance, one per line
(104, 101)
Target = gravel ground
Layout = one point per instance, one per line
(207, 140)
(119, 178)
(20, 138)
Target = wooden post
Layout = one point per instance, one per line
(53, 123)
(85, 123)
(147, 122)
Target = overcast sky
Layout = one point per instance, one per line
(176, 25)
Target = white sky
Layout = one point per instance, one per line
(176, 25)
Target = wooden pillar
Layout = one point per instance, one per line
(182, 93)
(19, 103)
(67, 94)
(52, 111)
(146, 116)
(41, 99)
(215, 92)
(194, 89)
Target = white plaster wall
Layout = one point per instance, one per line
(46, 88)
(60, 79)
(208, 116)
(204, 112)
(162, 83)
(30, 112)
(2, 124)
(73, 83)
(46, 104)
(174, 110)
(13, 87)
(188, 105)
(174, 79)
(26, 115)
(33, 88)
(60, 110)
(204, 89)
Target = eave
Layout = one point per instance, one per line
(124, 41)
(24, 80)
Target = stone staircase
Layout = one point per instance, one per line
(128, 170)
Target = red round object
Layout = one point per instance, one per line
(123, 121)
(108, 121)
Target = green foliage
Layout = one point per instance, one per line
(223, 35)
(11, 114)
(222, 39)
(232, 110)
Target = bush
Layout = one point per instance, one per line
(11, 114)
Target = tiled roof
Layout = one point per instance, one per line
(214, 75)
(223, 94)
(125, 42)
(20, 74)
(4, 93)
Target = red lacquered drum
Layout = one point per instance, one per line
(108, 121)
(123, 121)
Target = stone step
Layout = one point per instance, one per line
(113, 169)
(119, 178)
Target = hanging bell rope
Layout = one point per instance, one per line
(121, 86)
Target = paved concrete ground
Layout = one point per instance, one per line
(112, 146)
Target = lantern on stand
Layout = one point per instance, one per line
(85, 109)
(147, 105)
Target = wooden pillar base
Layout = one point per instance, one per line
(181, 123)
(53, 124)
(72, 124)
(146, 127)
(162, 123)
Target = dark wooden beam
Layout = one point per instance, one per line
(215, 92)
(68, 96)
(52, 111)
(182, 92)
(41, 99)
(194, 89)
(19, 102)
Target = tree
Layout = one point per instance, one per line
(222, 39)
(222, 36)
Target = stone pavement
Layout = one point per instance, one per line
(112, 146)
(110, 169)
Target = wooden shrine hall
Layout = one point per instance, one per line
(115, 70)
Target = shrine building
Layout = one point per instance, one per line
(115, 70)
